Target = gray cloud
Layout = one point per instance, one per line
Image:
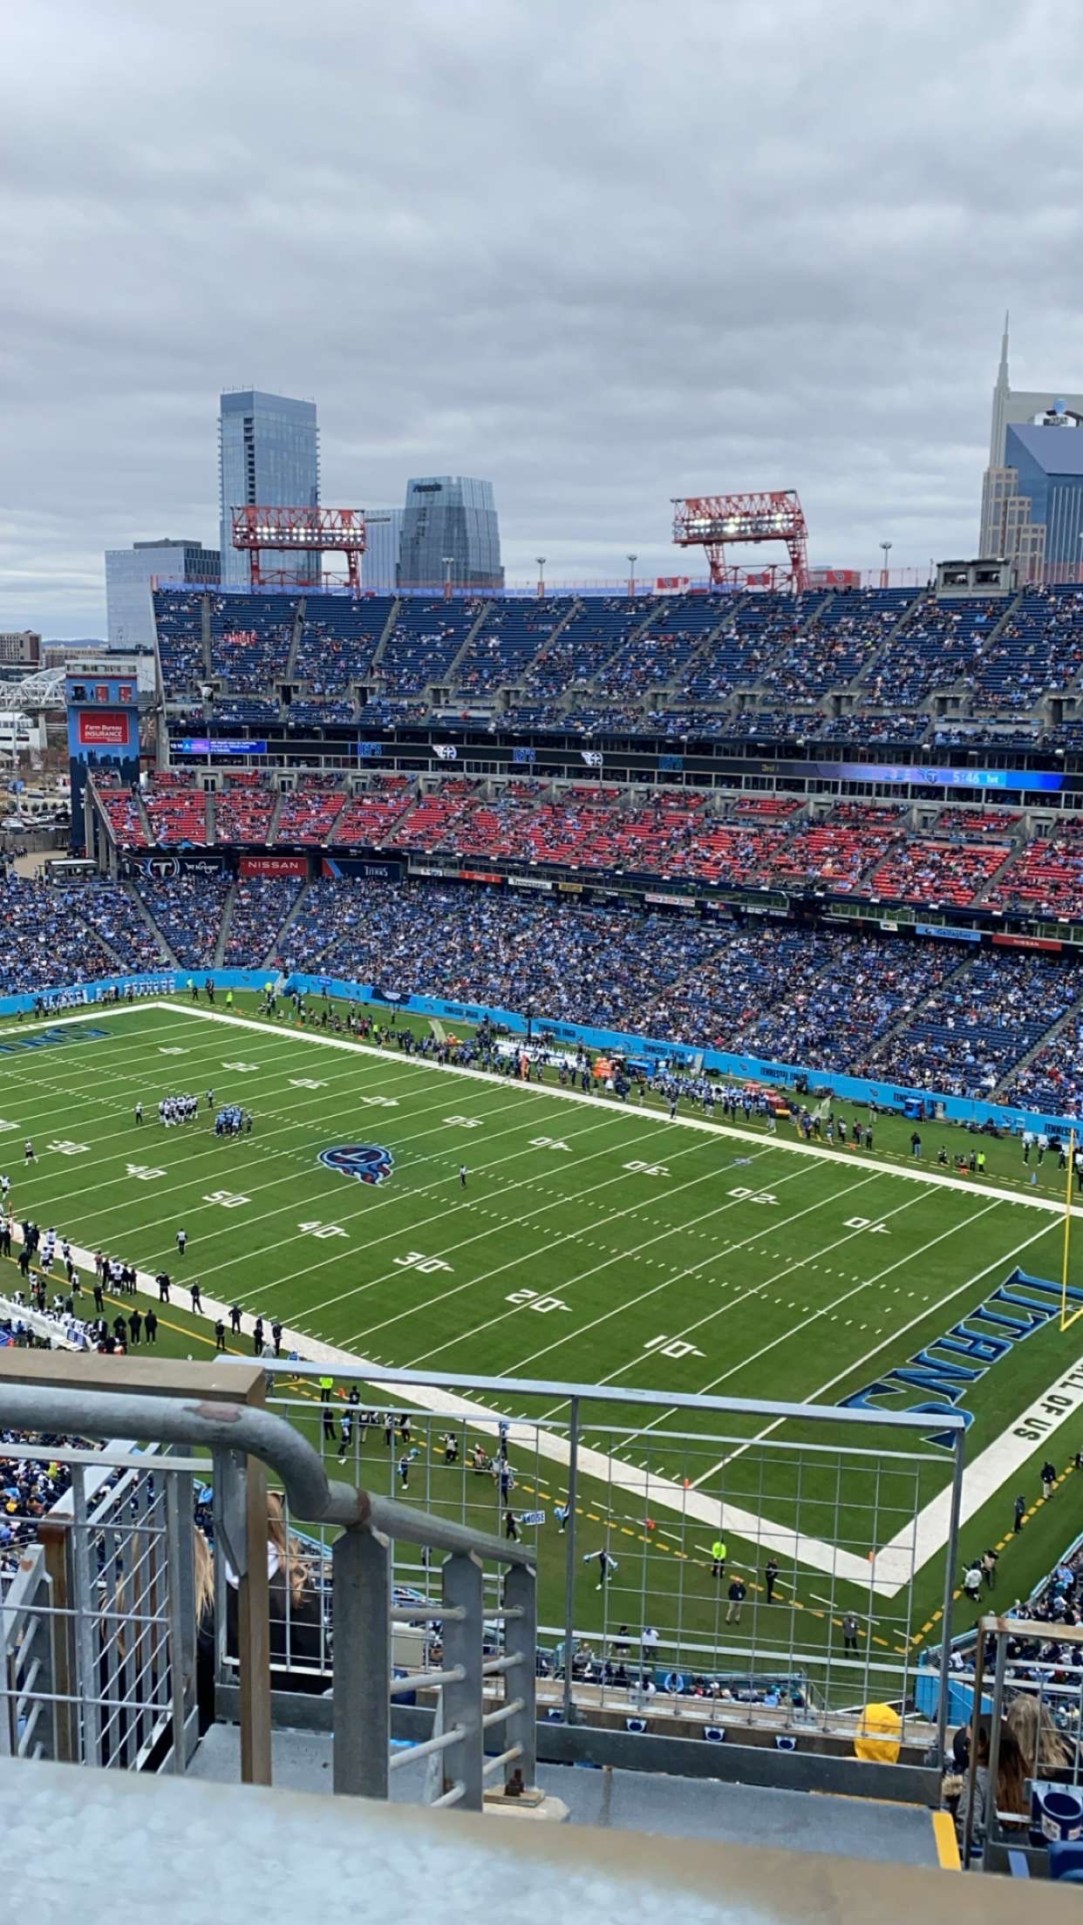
(602, 253)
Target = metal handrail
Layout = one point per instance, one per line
(310, 1493)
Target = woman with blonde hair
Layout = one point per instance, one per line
(295, 1607)
(1031, 1724)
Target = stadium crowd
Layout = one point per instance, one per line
(936, 1016)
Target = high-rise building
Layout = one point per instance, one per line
(383, 543)
(268, 456)
(128, 576)
(1022, 518)
(450, 533)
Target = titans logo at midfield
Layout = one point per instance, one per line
(368, 1162)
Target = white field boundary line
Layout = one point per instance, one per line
(786, 1336)
(207, 1146)
(916, 1173)
(1052, 1205)
(495, 1088)
(774, 1538)
(769, 1228)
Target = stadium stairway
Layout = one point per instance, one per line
(212, 820)
(574, 608)
(227, 921)
(154, 927)
(871, 668)
(208, 648)
(388, 630)
(276, 817)
(468, 641)
(275, 945)
(295, 639)
(991, 882)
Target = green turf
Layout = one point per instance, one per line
(714, 1265)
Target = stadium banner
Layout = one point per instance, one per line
(479, 875)
(374, 869)
(103, 734)
(215, 745)
(165, 868)
(369, 751)
(949, 935)
(540, 883)
(273, 866)
(1003, 941)
(670, 902)
(922, 775)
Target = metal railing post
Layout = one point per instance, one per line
(951, 1554)
(463, 1639)
(520, 1681)
(53, 1536)
(361, 1577)
(569, 1562)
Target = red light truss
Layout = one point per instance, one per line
(302, 531)
(714, 522)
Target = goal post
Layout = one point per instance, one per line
(1067, 1318)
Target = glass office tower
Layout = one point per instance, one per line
(450, 529)
(128, 576)
(268, 456)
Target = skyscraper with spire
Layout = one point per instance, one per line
(1008, 527)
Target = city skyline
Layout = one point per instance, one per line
(644, 299)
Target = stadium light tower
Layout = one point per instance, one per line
(714, 522)
(541, 577)
(299, 531)
(884, 573)
(632, 559)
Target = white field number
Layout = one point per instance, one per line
(647, 1169)
(672, 1347)
(380, 1102)
(143, 1174)
(171, 1049)
(228, 1199)
(4, 1125)
(64, 1148)
(242, 1069)
(306, 1082)
(464, 1122)
(745, 1195)
(417, 1260)
(317, 1229)
(866, 1223)
(530, 1300)
(549, 1143)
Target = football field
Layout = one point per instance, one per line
(433, 1220)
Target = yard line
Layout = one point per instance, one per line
(814, 1316)
(677, 1276)
(559, 1200)
(211, 1146)
(909, 1172)
(621, 1256)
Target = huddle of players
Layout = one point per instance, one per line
(178, 1109)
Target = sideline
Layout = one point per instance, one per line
(919, 1540)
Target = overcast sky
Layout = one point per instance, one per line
(603, 254)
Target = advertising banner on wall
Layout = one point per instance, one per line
(103, 733)
(273, 866)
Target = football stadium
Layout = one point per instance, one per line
(660, 1155)
(541, 1103)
